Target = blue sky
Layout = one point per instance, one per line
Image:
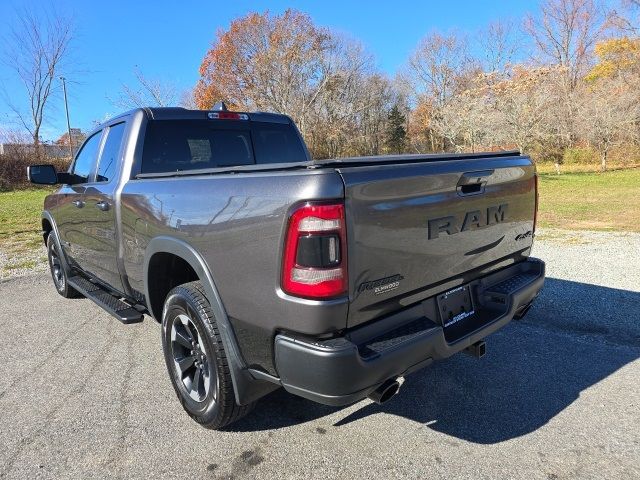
(167, 39)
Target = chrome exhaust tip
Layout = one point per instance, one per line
(385, 392)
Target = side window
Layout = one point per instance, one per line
(109, 157)
(87, 156)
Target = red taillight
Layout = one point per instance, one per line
(315, 252)
(535, 213)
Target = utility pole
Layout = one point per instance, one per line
(66, 107)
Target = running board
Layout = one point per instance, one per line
(101, 297)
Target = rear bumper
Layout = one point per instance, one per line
(346, 369)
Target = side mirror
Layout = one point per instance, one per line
(42, 174)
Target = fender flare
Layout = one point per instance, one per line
(56, 238)
(246, 388)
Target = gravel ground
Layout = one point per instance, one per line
(28, 261)
(557, 396)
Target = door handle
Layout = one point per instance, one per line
(78, 203)
(104, 206)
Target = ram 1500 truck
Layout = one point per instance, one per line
(266, 269)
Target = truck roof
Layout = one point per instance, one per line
(180, 113)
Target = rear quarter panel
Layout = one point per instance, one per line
(237, 223)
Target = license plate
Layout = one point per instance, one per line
(455, 305)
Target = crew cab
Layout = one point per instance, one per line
(265, 268)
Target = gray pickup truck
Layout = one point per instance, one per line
(266, 269)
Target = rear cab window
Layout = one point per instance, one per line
(181, 145)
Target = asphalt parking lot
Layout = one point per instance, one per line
(557, 396)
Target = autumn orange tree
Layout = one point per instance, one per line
(285, 63)
(265, 62)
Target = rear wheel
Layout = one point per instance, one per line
(196, 359)
(58, 273)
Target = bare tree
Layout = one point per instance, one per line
(497, 111)
(609, 115)
(37, 51)
(500, 43)
(627, 18)
(350, 111)
(440, 68)
(566, 32)
(438, 65)
(187, 99)
(148, 92)
(351, 117)
(13, 136)
(465, 121)
(525, 105)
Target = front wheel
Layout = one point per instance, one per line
(196, 359)
(58, 273)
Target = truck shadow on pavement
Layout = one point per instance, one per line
(575, 336)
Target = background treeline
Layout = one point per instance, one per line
(562, 85)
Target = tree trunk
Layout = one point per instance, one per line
(36, 136)
(603, 160)
(36, 143)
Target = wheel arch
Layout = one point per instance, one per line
(164, 271)
(49, 226)
(246, 388)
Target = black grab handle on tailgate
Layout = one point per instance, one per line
(473, 183)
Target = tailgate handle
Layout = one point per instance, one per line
(473, 183)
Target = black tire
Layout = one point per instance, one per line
(58, 274)
(191, 342)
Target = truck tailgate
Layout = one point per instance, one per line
(417, 229)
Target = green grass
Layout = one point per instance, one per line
(24, 264)
(20, 223)
(549, 167)
(591, 201)
(581, 201)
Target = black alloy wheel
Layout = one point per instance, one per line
(58, 273)
(196, 358)
(190, 359)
